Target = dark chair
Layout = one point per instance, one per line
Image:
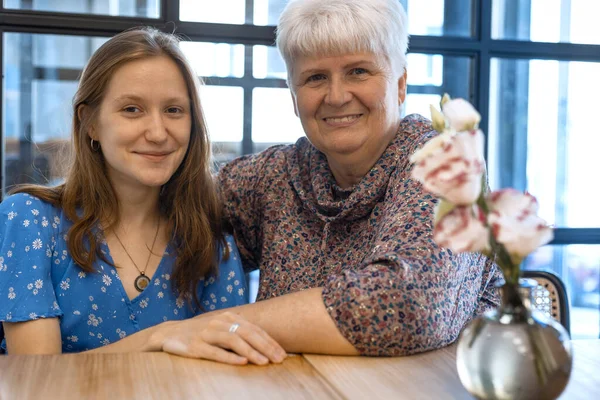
(550, 296)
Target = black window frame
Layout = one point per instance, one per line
(480, 47)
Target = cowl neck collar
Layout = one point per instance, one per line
(316, 187)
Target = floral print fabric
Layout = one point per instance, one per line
(39, 279)
(389, 288)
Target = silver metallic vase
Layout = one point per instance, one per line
(514, 352)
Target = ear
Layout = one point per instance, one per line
(402, 88)
(294, 103)
(83, 112)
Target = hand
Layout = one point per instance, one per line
(213, 337)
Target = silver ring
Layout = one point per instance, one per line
(233, 328)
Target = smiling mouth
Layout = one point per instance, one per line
(346, 119)
(153, 156)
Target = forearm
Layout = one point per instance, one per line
(299, 322)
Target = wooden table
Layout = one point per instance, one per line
(161, 376)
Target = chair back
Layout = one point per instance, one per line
(550, 296)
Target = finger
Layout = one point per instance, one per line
(237, 344)
(262, 342)
(203, 350)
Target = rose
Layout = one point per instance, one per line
(451, 166)
(515, 224)
(462, 229)
(460, 114)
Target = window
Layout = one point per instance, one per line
(530, 67)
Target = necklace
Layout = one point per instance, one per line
(142, 281)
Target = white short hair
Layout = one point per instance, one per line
(338, 27)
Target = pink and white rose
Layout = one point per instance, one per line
(451, 166)
(514, 222)
(463, 230)
(461, 115)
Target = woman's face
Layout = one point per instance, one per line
(349, 105)
(144, 123)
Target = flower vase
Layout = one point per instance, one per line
(514, 352)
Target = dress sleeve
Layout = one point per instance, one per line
(26, 246)
(408, 295)
(229, 287)
(240, 184)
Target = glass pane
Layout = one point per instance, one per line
(122, 8)
(579, 268)
(273, 118)
(224, 113)
(267, 63)
(222, 11)
(540, 138)
(425, 17)
(439, 17)
(432, 75)
(570, 21)
(40, 79)
(215, 59)
(266, 12)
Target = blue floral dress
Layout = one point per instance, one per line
(39, 279)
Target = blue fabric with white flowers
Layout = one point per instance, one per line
(39, 279)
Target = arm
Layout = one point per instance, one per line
(41, 336)
(408, 295)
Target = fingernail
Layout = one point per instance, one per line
(262, 359)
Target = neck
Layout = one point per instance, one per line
(138, 208)
(348, 173)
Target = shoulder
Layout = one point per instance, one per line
(267, 160)
(25, 204)
(417, 128)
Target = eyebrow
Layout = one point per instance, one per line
(134, 97)
(346, 66)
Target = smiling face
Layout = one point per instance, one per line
(349, 105)
(144, 123)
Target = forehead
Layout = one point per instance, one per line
(305, 64)
(157, 75)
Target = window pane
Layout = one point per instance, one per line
(40, 79)
(215, 59)
(273, 118)
(432, 75)
(425, 17)
(122, 8)
(439, 17)
(221, 11)
(579, 268)
(267, 63)
(224, 113)
(572, 21)
(540, 138)
(266, 12)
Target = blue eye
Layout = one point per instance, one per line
(358, 71)
(315, 78)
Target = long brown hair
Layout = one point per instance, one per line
(188, 200)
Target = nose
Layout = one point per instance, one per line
(337, 93)
(156, 130)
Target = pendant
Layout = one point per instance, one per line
(141, 282)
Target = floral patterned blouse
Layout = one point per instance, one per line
(389, 288)
(39, 279)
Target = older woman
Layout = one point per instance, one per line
(340, 232)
